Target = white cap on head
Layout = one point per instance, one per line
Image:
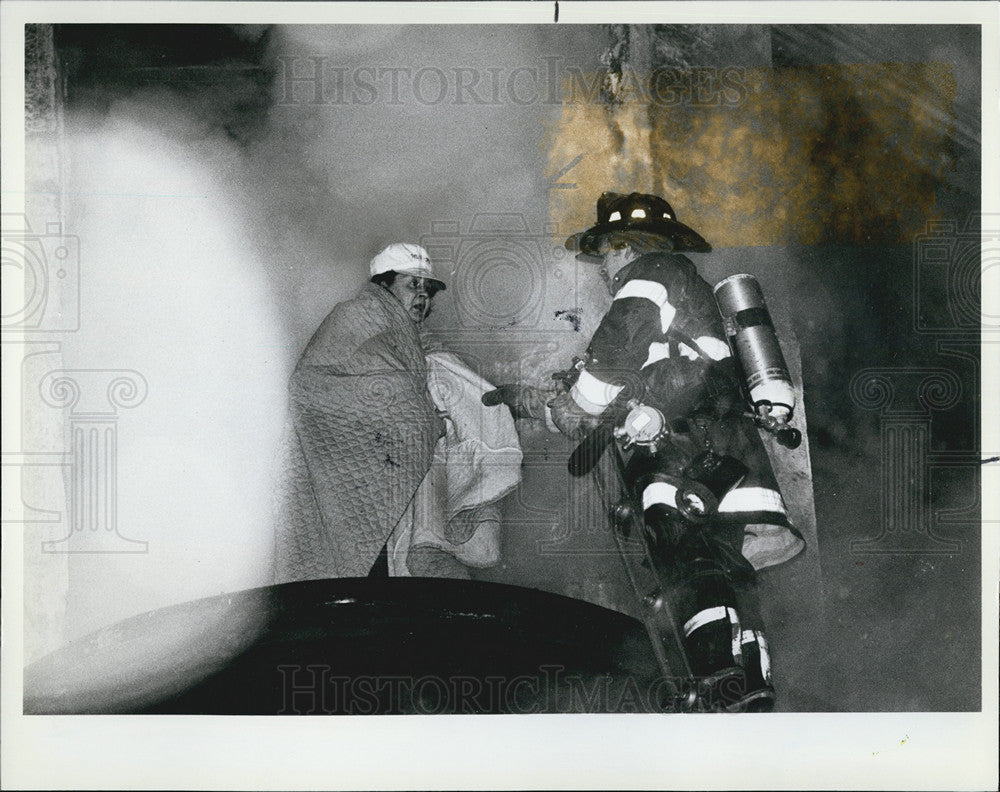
(406, 259)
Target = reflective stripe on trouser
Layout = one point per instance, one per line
(747, 639)
(703, 598)
(770, 538)
(712, 616)
(754, 502)
(659, 492)
(757, 691)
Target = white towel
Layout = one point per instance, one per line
(477, 462)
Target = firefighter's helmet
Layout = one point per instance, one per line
(636, 212)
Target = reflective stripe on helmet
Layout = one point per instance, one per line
(593, 395)
(653, 291)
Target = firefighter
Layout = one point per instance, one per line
(662, 341)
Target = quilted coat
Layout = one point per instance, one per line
(362, 436)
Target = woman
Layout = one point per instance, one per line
(378, 482)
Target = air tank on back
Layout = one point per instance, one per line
(750, 332)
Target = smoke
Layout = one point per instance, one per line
(218, 225)
(173, 288)
(219, 221)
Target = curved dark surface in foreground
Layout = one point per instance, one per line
(357, 646)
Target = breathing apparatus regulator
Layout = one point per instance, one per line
(765, 380)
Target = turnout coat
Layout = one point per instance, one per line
(663, 332)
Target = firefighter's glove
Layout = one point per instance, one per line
(524, 401)
(571, 419)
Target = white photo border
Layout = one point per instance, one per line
(777, 751)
